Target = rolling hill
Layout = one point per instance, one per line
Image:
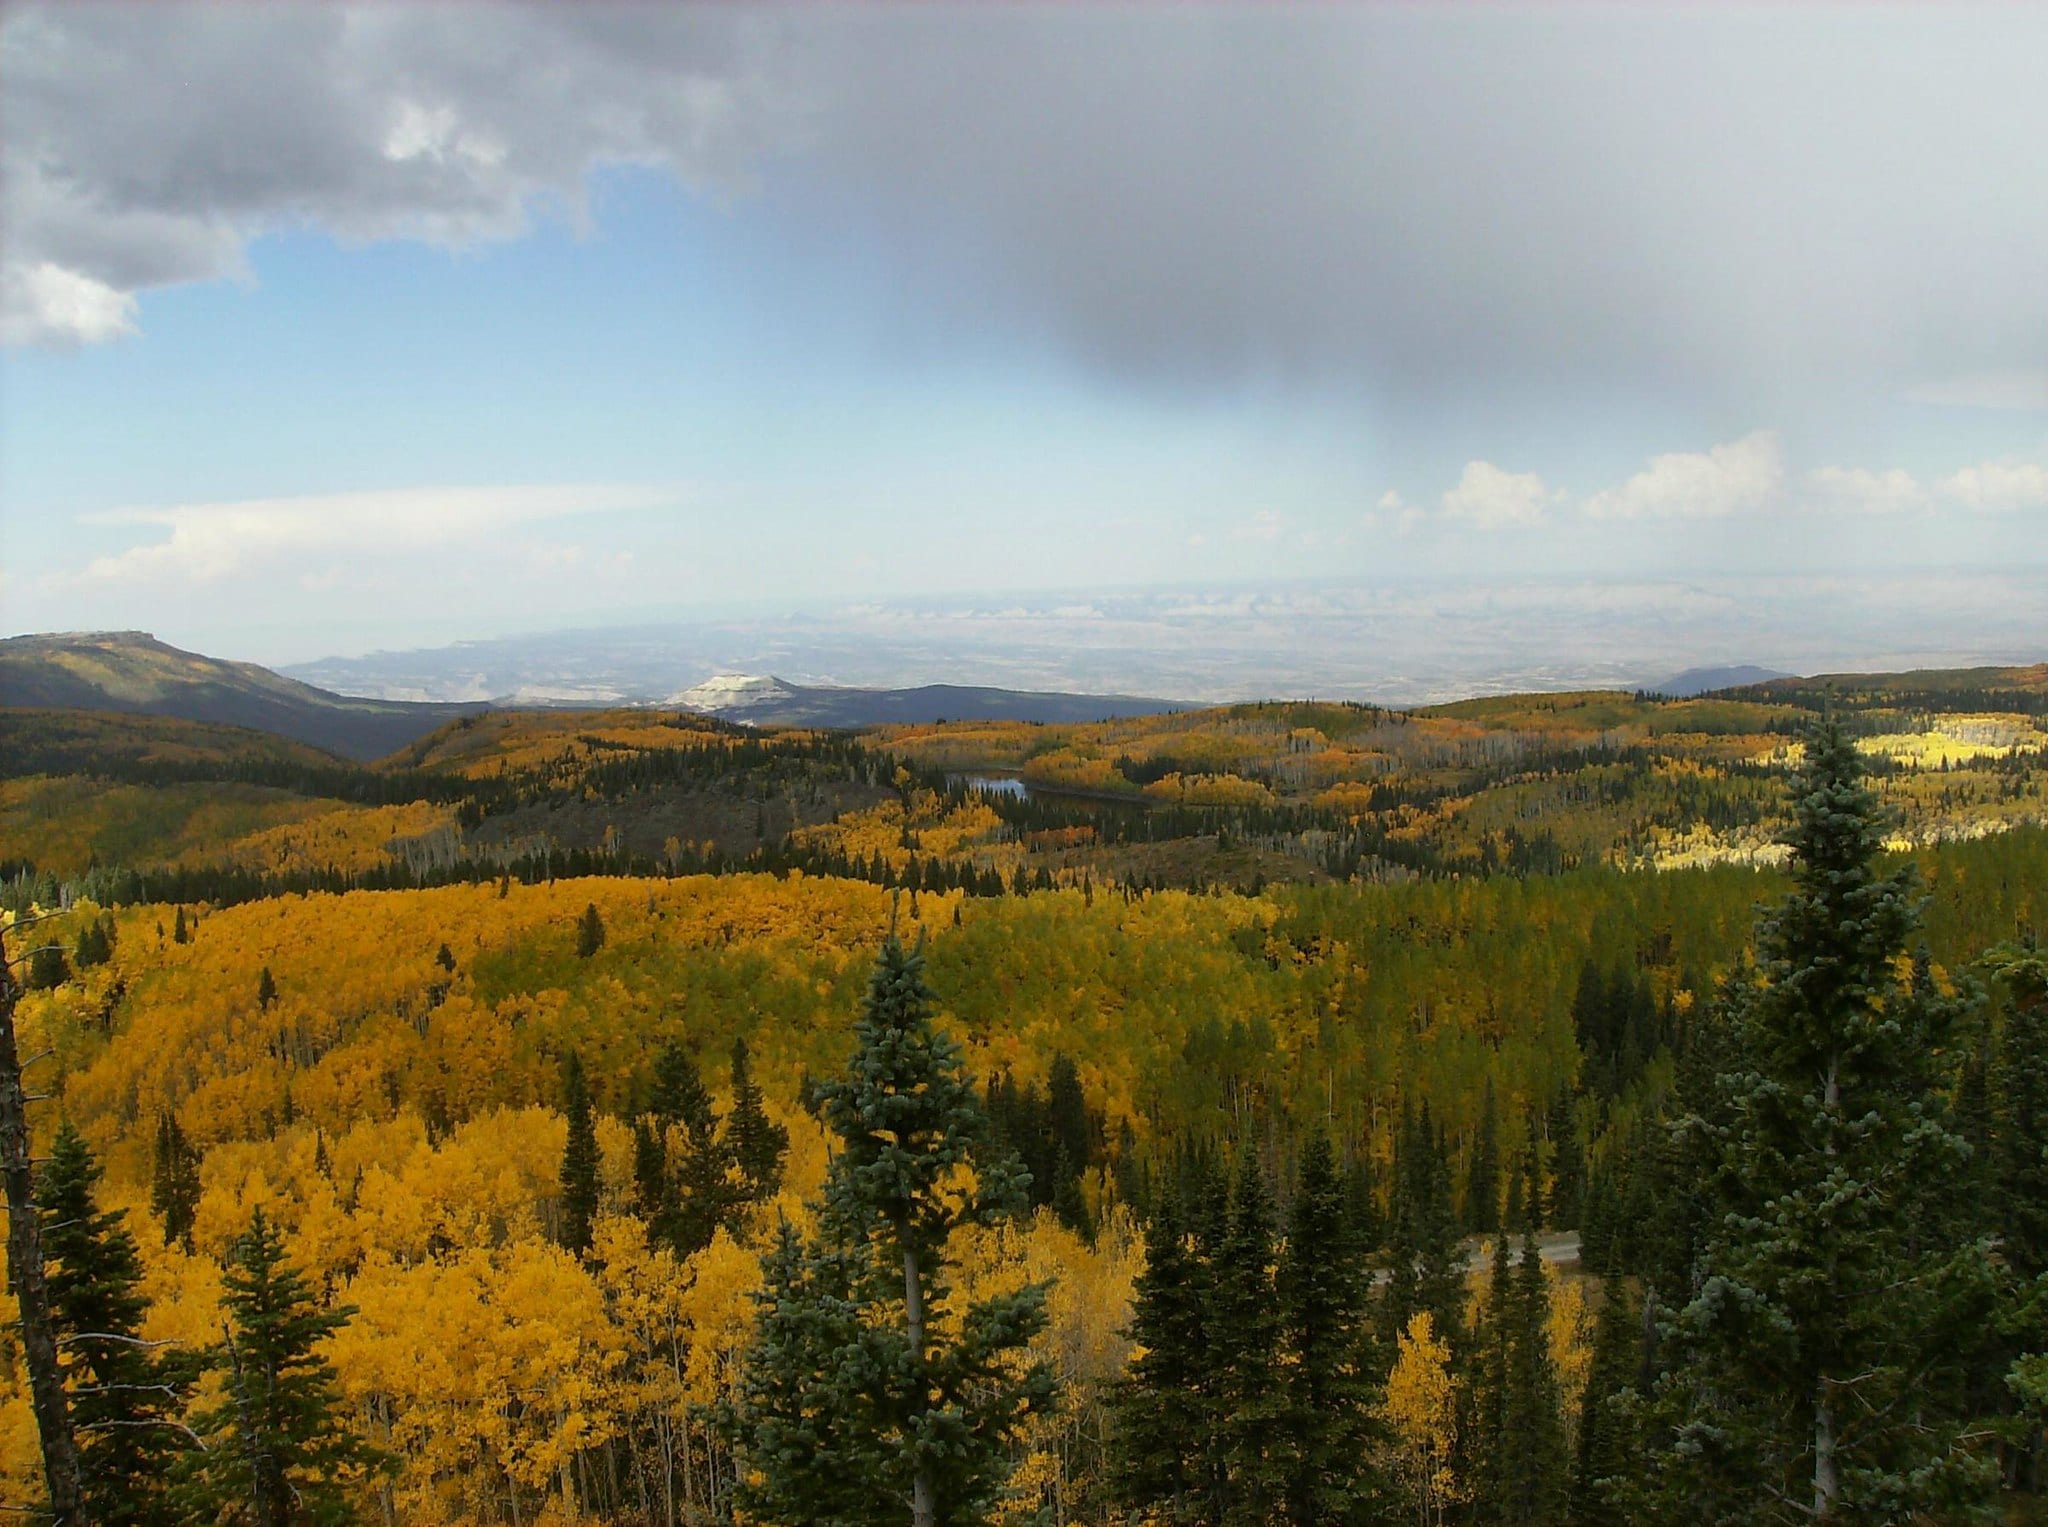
(766, 701)
(133, 672)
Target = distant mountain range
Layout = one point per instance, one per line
(131, 671)
(764, 701)
(1700, 681)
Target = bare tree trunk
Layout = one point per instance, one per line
(1826, 1481)
(922, 1511)
(25, 1262)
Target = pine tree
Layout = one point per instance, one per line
(266, 990)
(1521, 1468)
(579, 1159)
(1427, 1264)
(702, 1192)
(2018, 1087)
(125, 1399)
(589, 932)
(179, 933)
(756, 1142)
(1482, 1178)
(47, 968)
(1562, 1204)
(1606, 1444)
(650, 1178)
(2017, 1180)
(1072, 1129)
(1243, 1330)
(850, 1410)
(1829, 1311)
(174, 1182)
(1328, 1437)
(1157, 1454)
(277, 1450)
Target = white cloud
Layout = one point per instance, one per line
(146, 146)
(2013, 391)
(1998, 485)
(1859, 488)
(1737, 478)
(1494, 499)
(45, 304)
(209, 542)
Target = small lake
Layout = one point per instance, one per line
(992, 784)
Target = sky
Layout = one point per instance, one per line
(332, 329)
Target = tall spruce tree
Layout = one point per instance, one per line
(125, 1398)
(1606, 1450)
(278, 1452)
(1827, 1310)
(1328, 1437)
(1427, 1265)
(757, 1144)
(2018, 1088)
(2017, 1174)
(1243, 1330)
(1482, 1174)
(174, 1182)
(579, 1158)
(1562, 1204)
(1516, 1453)
(851, 1409)
(1157, 1455)
(589, 932)
(1538, 1465)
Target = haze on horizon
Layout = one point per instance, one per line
(330, 329)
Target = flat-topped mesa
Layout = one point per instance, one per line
(727, 692)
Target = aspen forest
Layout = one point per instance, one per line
(460, 1160)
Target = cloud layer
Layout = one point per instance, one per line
(1696, 206)
(1742, 477)
(208, 543)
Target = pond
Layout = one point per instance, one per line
(992, 784)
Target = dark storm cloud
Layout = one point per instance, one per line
(1694, 205)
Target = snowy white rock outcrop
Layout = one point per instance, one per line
(733, 695)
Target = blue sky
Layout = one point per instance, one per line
(400, 336)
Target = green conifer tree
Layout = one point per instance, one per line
(1606, 1454)
(579, 1158)
(2018, 1105)
(278, 1452)
(852, 1410)
(174, 1182)
(1562, 1204)
(125, 1398)
(1157, 1455)
(47, 968)
(1243, 1331)
(1829, 1312)
(1328, 1437)
(650, 1177)
(589, 932)
(1482, 1177)
(1520, 1464)
(266, 990)
(1426, 1263)
(756, 1142)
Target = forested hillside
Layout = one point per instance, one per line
(131, 672)
(1322, 1114)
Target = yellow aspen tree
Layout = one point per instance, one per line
(1421, 1406)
